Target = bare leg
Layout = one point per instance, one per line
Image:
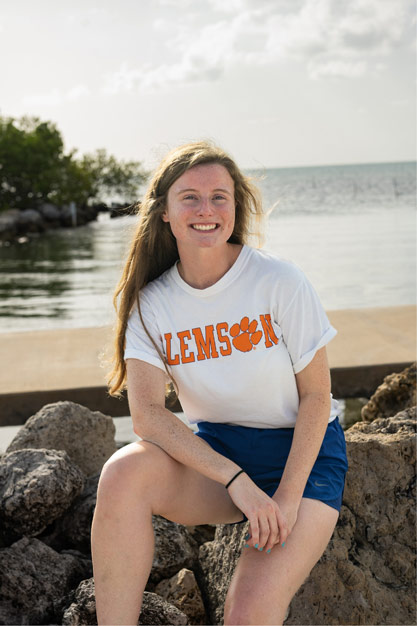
(122, 545)
(263, 585)
(137, 481)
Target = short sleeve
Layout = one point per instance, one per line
(138, 345)
(305, 325)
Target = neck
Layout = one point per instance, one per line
(204, 268)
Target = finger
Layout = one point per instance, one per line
(274, 535)
(264, 531)
(282, 525)
(254, 526)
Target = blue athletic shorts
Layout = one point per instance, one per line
(263, 452)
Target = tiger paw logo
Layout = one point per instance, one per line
(245, 336)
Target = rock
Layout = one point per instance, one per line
(183, 592)
(87, 436)
(202, 533)
(397, 392)
(370, 560)
(174, 549)
(83, 608)
(154, 609)
(50, 213)
(218, 561)
(367, 573)
(33, 580)
(36, 487)
(73, 529)
(8, 224)
(30, 221)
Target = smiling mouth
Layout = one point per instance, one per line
(205, 227)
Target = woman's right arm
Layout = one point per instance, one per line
(154, 423)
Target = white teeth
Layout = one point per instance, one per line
(204, 226)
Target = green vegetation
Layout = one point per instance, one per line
(34, 169)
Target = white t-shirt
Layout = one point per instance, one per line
(234, 348)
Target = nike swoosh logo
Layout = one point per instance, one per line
(320, 484)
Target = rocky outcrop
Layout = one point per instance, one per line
(183, 592)
(73, 529)
(36, 487)
(33, 581)
(397, 392)
(155, 610)
(14, 223)
(174, 549)
(87, 436)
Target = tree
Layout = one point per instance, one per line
(112, 178)
(34, 169)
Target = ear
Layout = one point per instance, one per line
(165, 217)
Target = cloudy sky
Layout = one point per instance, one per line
(277, 83)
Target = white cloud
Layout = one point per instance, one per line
(55, 97)
(331, 37)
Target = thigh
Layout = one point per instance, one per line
(263, 584)
(174, 490)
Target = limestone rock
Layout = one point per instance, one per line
(182, 591)
(87, 436)
(33, 580)
(50, 213)
(370, 560)
(218, 560)
(73, 529)
(8, 224)
(36, 487)
(367, 573)
(30, 220)
(174, 549)
(154, 609)
(202, 533)
(397, 392)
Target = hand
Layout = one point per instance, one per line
(267, 524)
(288, 507)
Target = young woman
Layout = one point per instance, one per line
(241, 334)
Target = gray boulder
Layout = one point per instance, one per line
(73, 529)
(31, 221)
(174, 549)
(8, 224)
(396, 392)
(87, 436)
(183, 592)
(33, 580)
(155, 610)
(36, 487)
(50, 213)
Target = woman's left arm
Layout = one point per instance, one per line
(313, 384)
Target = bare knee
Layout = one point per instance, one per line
(245, 607)
(126, 473)
(258, 611)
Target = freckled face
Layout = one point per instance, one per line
(201, 207)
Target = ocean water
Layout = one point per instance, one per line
(351, 228)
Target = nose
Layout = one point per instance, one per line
(205, 207)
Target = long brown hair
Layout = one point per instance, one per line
(153, 249)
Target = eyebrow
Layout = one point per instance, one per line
(195, 190)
